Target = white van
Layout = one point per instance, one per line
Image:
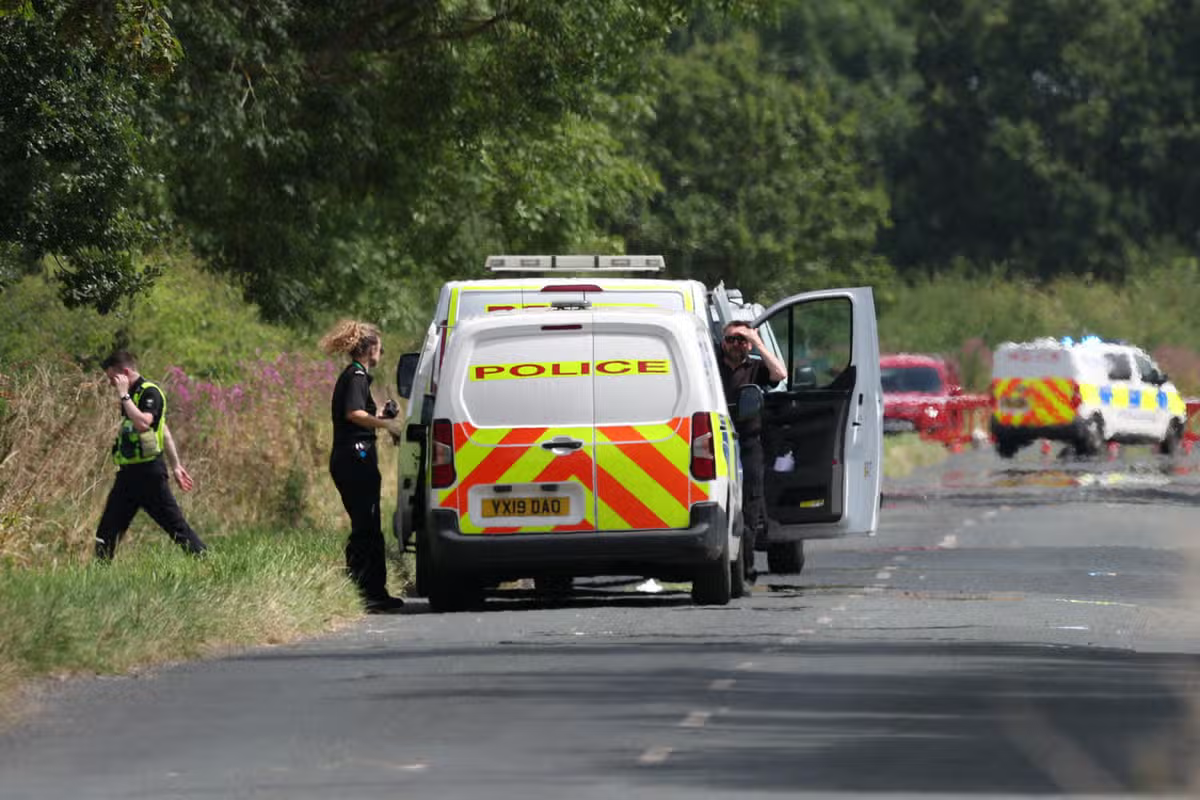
(531, 282)
(1085, 393)
(517, 385)
(575, 442)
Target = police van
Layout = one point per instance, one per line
(576, 442)
(531, 282)
(821, 431)
(1085, 393)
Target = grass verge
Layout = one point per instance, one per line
(906, 452)
(154, 605)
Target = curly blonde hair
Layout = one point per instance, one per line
(351, 337)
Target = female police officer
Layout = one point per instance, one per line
(353, 462)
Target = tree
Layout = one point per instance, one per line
(71, 185)
(1051, 135)
(404, 135)
(760, 182)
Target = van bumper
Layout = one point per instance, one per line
(1023, 434)
(657, 553)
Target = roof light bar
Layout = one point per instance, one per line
(575, 263)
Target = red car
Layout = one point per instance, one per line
(916, 391)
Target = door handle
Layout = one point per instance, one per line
(562, 443)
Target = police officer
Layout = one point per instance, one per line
(353, 462)
(737, 369)
(138, 452)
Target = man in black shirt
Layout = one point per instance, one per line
(738, 369)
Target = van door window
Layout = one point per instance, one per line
(804, 427)
(1145, 368)
(1118, 366)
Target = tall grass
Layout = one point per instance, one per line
(153, 604)
(257, 448)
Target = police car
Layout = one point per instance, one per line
(1084, 393)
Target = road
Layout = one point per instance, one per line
(1015, 628)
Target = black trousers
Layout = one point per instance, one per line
(754, 511)
(143, 486)
(356, 476)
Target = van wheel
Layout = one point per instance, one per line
(1092, 442)
(737, 575)
(1170, 444)
(424, 559)
(1005, 447)
(553, 585)
(785, 558)
(712, 583)
(449, 593)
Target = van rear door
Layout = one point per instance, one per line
(822, 432)
(523, 436)
(643, 447)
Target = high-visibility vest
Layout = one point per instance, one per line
(130, 447)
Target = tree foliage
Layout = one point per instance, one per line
(1051, 134)
(761, 185)
(72, 185)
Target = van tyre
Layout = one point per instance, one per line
(1005, 447)
(737, 574)
(1092, 442)
(449, 593)
(553, 585)
(712, 584)
(1171, 443)
(785, 558)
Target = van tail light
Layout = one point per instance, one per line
(443, 454)
(704, 457)
(1076, 396)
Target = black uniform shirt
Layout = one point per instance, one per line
(751, 370)
(352, 392)
(151, 401)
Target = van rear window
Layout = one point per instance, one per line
(476, 302)
(638, 378)
(525, 380)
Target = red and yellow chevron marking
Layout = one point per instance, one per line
(635, 477)
(1033, 402)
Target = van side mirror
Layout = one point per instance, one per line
(803, 377)
(748, 404)
(406, 373)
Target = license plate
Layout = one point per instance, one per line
(892, 425)
(526, 506)
(1014, 403)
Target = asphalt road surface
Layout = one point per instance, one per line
(1015, 628)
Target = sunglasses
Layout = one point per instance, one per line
(735, 339)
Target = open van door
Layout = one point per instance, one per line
(823, 429)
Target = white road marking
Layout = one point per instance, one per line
(824, 620)
(745, 665)
(696, 719)
(722, 684)
(655, 755)
(882, 575)
(949, 543)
